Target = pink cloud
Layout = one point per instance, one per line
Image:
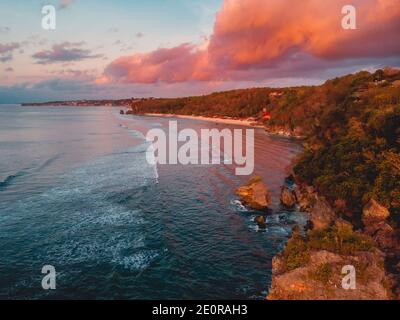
(167, 65)
(250, 35)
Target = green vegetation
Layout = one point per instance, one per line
(296, 253)
(235, 103)
(340, 240)
(354, 153)
(323, 273)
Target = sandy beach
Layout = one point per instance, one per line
(240, 122)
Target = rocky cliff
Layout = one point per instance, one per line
(255, 194)
(318, 263)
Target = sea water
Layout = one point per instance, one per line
(77, 193)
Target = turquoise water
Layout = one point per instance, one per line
(76, 192)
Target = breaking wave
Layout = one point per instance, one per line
(86, 217)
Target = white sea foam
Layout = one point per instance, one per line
(138, 261)
(85, 218)
(239, 205)
(151, 159)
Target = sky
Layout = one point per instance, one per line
(104, 49)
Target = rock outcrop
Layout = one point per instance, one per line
(374, 213)
(288, 198)
(261, 222)
(321, 214)
(305, 196)
(384, 237)
(374, 218)
(311, 265)
(321, 278)
(255, 194)
(296, 132)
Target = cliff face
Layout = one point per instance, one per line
(352, 161)
(318, 263)
(321, 278)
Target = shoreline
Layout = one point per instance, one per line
(229, 121)
(240, 122)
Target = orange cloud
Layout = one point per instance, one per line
(250, 35)
(168, 65)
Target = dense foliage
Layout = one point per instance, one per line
(235, 103)
(340, 239)
(353, 153)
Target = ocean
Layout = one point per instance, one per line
(77, 193)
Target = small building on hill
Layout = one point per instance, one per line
(266, 115)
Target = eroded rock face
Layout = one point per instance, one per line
(374, 219)
(321, 214)
(255, 194)
(321, 278)
(306, 270)
(288, 198)
(384, 236)
(374, 213)
(305, 197)
(343, 225)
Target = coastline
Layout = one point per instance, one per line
(316, 272)
(273, 287)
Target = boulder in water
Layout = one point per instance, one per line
(288, 198)
(260, 220)
(255, 194)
